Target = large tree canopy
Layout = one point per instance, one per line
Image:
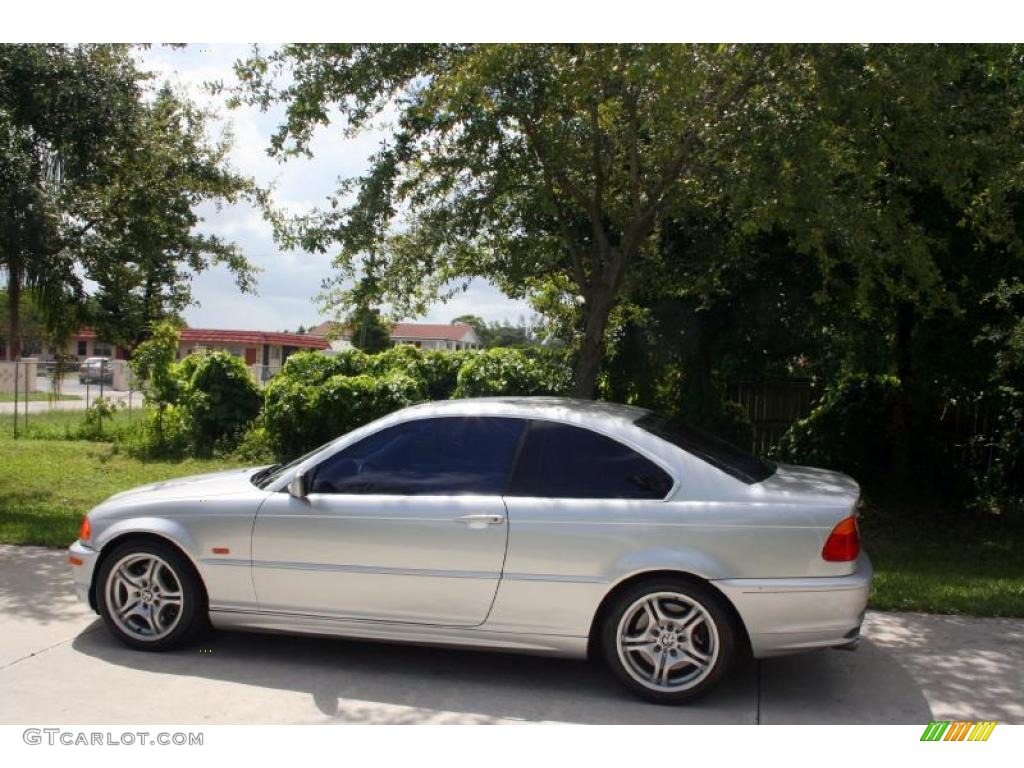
(522, 164)
(591, 176)
(99, 180)
(144, 245)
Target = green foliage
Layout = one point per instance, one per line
(317, 398)
(218, 400)
(519, 163)
(369, 332)
(153, 365)
(100, 174)
(254, 447)
(100, 410)
(851, 430)
(204, 403)
(300, 415)
(502, 371)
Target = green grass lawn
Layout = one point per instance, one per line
(61, 424)
(922, 563)
(47, 485)
(939, 564)
(34, 397)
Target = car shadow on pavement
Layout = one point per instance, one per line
(349, 680)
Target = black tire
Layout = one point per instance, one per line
(714, 609)
(190, 619)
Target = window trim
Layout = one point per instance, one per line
(643, 453)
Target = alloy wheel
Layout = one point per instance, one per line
(144, 596)
(667, 642)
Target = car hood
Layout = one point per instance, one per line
(811, 484)
(212, 484)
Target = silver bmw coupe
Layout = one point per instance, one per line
(541, 525)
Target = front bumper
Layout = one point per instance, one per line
(83, 562)
(785, 616)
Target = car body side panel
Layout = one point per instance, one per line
(380, 557)
(223, 524)
(790, 615)
(565, 555)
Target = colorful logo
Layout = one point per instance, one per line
(960, 730)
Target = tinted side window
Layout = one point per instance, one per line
(561, 461)
(426, 457)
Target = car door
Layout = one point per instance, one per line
(579, 503)
(407, 524)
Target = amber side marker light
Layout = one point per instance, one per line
(85, 531)
(74, 560)
(221, 551)
(843, 544)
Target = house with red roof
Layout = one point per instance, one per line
(452, 336)
(266, 348)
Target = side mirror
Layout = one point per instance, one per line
(298, 487)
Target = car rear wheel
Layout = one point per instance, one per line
(669, 641)
(150, 597)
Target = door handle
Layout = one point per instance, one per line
(480, 521)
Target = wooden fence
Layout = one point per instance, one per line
(964, 430)
(773, 406)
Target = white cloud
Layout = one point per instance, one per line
(288, 281)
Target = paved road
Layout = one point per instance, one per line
(59, 665)
(72, 387)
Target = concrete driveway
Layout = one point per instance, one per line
(58, 665)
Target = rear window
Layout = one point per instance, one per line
(717, 452)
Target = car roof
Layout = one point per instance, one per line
(556, 408)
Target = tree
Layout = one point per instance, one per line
(521, 164)
(99, 177)
(477, 323)
(143, 246)
(153, 364)
(62, 110)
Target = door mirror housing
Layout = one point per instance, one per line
(299, 485)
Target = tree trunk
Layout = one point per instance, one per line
(13, 311)
(588, 365)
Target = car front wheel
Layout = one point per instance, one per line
(150, 596)
(669, 641)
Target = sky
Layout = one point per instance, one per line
(289, 280)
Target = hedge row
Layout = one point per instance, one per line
(317, 397)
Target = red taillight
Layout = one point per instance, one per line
(85, 531)
(843, 544)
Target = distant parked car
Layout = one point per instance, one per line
(530, 524)
(96, 370)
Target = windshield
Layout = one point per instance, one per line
(734, 461)
(268, 475)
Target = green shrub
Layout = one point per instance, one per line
(316, 367)
(160, 434)
(507, 371)
(300, 415)
(219, 399)
(316, 398)
(436, 371)
(851, 429)
(254, 447)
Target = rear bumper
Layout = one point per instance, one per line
(81, 574)
(792, 615)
